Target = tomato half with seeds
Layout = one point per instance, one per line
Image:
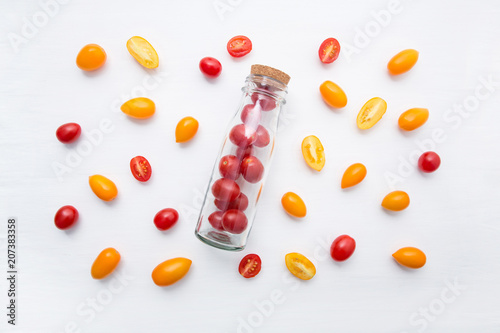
(141, 169)
(300, 266)
(139, 108)
(410, 257)
(371, 113)
(186, 129)
(239, 46)
(402, 62)
(313, 152)
(91, 57)
(143, 52)
(329, 50)
(68, 133)
(250, 266)
(353, 175)
(105, 263)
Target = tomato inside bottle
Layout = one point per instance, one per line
(230, 202)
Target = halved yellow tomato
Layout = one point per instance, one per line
(396, 201)
(413, 118)
(143, 52)
(105, 263)
(313, 152)
(300, 266)
(293, 204)
(402, 62)
(104, 188)
(371, 113)
(170, 271)
(333, 94)
(186, 129)
(353, 175)
(140, 108)
(410, 257)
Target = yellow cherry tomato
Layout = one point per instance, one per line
(293, 204)
(396, 201)
(371, 113)
(104, 188)
(91, 57)
(300, 266)
(410, 257)
(313, 152)
(413, 118)
(140, 108)
(105, 263)
(353, 175)
(333, 94)
(402, 62)
(170, 271)
(143, 52)
(186, 129)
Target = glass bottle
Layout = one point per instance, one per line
(241, 167)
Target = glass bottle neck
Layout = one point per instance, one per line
(266, 85)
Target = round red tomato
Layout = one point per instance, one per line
(429, 162)
(239, 46)
(69, 132)
(141, 169)
(225, 189)
(250, 266)
(329, 50)
(229, 167)
(241, 203)
(241, 153)
(250, 115)
(66, 217)
(211, 67)
(242, 136)
(342, 248)
(166, 218)
(234, 221)
(215, 220)
(252, 169)
(264, 102)
(263, 137)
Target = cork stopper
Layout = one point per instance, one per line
(271, 72)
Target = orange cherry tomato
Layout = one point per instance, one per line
(410, 257)
(186, 129)
(293, 204)
(402, 62)
(143, 52)
(104, 188)
(105, 263)
(300, 266)
(91, 57)
(139, 108)
(353, 175)
(313, 152)
(170, 271)
(371, 113)
(413, 118)
(333, 95)
(396, 201)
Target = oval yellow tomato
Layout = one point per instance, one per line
(104, 188)
(105, 263)
(300, 266)
(402, 62)
(293, 204)
(186, 129)
(170, 271)
(413, 118)
(143, 52)
(410, 257)
(396, 201)
(313, 152)
(91, 57)
(353, 175)
(371, 113)
(333, 94)
(140, 108)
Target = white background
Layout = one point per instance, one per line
(453, 216)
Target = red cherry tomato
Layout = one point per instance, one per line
(342, 248)
(225, 189)
(329, 50)
(239, 46)
(265, 102)
(141, 169)
(215, 220)
(241, 153)
(211, 67)
(250, 266)
(252, 169)
(229, 167)
(66, 217)
(250, 115)
(242, 136)
(241, 203)
(234, 221)
(263, 137)
(69, 132)
(166, 218)
(429, 162)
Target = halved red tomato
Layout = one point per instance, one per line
(239, 46)
(141, 169)
(329, 50)
(250, 266)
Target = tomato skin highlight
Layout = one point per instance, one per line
(105, 263)
(225, 189)
(242, 136)
(300, 266)
(429, 162)
(410, 257)
(250, 266)
(413, 119)
(170, 271)
(402, 62)
(66, 217)
(68, 133)
(396, 201)
(239, 46)
(342, 248)
(140, 168)
(262, 137)
(353, 175)
(333, 95)
(186, 129)
(294, 205)
(139, 108)
(91, 57)
(103, 188)
(313, 152)
(211, 67)
(234, 221)
(250, 115)
(166, 219)
(329, 50)
(240, 203)
(252, 169)
(371, 113)
(143, 52)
